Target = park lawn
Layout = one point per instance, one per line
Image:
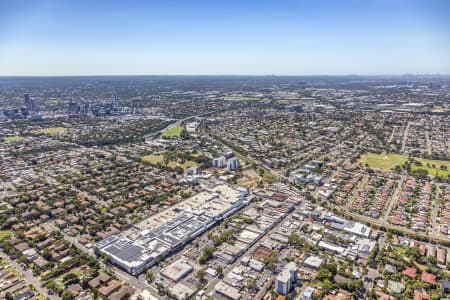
(196, 154)
(153, 158)
(388, 161)
(247, 182)
(383, 161)
(434, 171)
(55, 100)
(250, 178)
(159, 158)
(185, 165)
(12, 139)
(174, 132)
(51, 130)
(188, 164)
(440, 108)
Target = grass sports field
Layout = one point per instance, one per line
(153, 158)
(12, 139)
(388, 161)
(174, 132)
(52, 130)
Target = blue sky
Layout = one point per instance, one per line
(283, 37)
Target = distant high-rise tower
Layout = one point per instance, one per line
(116, 103)
(33, 104)
(136, 105)
(85, 108)
(297, 108)
(27, 102)
(73, 107)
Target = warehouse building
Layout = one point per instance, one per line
(177, 270)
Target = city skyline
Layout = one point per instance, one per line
(49, 38)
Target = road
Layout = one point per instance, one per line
(391, 137)
(427, 136)
(29, 277)
(394, 198)
(435, 211)
(382, 241)
(372, 274)
(405, 136)
(49, 226)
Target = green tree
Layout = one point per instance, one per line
(272, 260)
(219, 270)
(67, 295)
(70, 278)
(201, 274)
(251, 283)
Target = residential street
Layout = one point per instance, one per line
(29, 277)
(393, 199)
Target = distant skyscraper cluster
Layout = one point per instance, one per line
(30, 104)
(73, 108)
(29, 109)
(296, 108)
(135, 106)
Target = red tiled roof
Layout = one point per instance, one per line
(382, 295)
(410, 272)
(420, 296)
(428, 278)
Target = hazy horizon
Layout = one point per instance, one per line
(236, 75)
(252, 38)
